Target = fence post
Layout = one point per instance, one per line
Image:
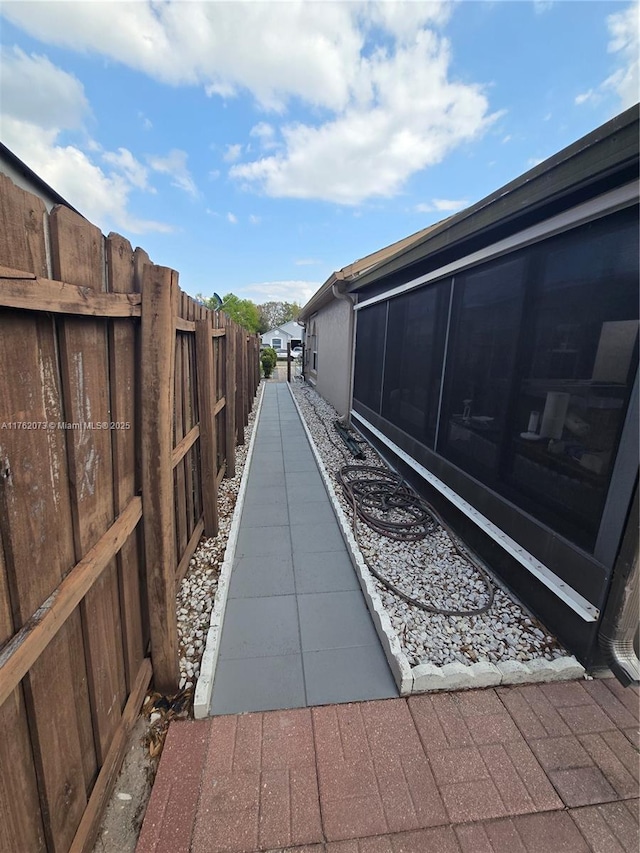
(230, 397)
(208, 440)
(239, 344)
(158, 343)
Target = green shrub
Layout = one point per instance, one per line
(268, 359)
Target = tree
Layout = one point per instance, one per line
(242, 311)
(274, 314)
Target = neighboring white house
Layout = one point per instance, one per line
(278, 337)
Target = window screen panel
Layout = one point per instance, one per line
(370, 346)
(416, 332)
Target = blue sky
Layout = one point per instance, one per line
(256, 147)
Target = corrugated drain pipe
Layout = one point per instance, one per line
(619, 628)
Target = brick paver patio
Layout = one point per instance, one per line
(548, 768)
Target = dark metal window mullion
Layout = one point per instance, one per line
(444, 364)
(384, 356)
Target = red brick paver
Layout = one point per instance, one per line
(545, 768)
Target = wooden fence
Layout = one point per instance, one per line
(121, 403)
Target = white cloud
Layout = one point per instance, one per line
(532, 162)
(134, 171)
(103, 198)
(280, 291)
(542, 6)
(624, 31)
(376, 74)
(232, 153)
(232, 218)
(306, 262)
(507, 138)
(442, 205)
(175, 165)
(413, 117)
(274, 50)
(265, 133)
(254, 220)
(624, 43)
(147, 124)
(41, 101)
(35, 90)
(584, 97)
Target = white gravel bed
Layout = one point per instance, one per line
(197, 592)
(430, 570)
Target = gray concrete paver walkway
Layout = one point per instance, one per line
(296, 630)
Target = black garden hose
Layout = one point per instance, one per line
(390, 507)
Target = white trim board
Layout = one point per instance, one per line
(553, 582)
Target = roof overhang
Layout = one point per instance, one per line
(590, 164)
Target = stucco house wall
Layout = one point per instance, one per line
(332, 376)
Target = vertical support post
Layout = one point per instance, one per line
(289, 362)
(159, 310)
(208, 439)
(239, 340)
(230, 397)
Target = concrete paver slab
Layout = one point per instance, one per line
(265, 514)
(317, 537)
(313, 512)
(347, 675)
(263, 542)
(258, 684)
(320, 572)
(260, 627)
(254, 577)
(335, 620)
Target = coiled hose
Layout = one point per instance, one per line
(389, 506)
(382, 491)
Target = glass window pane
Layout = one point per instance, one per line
(577, 375)
(480, 367)
(370, 344)
(413, 361)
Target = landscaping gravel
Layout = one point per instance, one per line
(430, 570)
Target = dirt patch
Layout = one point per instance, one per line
(125, 812)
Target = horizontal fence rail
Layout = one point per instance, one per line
(122, 401)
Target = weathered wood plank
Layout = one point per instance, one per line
(22, 232)
(87, 832)
(218, 333)
(19, 654)
(185, 325)
(35, 524)
(239, 336)
(61, 297)
(179, 431)
(21, 824)
(184, 446)
(77, 253)
(208, 443)
(230, 397)
(160, 304)
(190, 408)
(219, 406)
(123, 376)
(183, 565)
